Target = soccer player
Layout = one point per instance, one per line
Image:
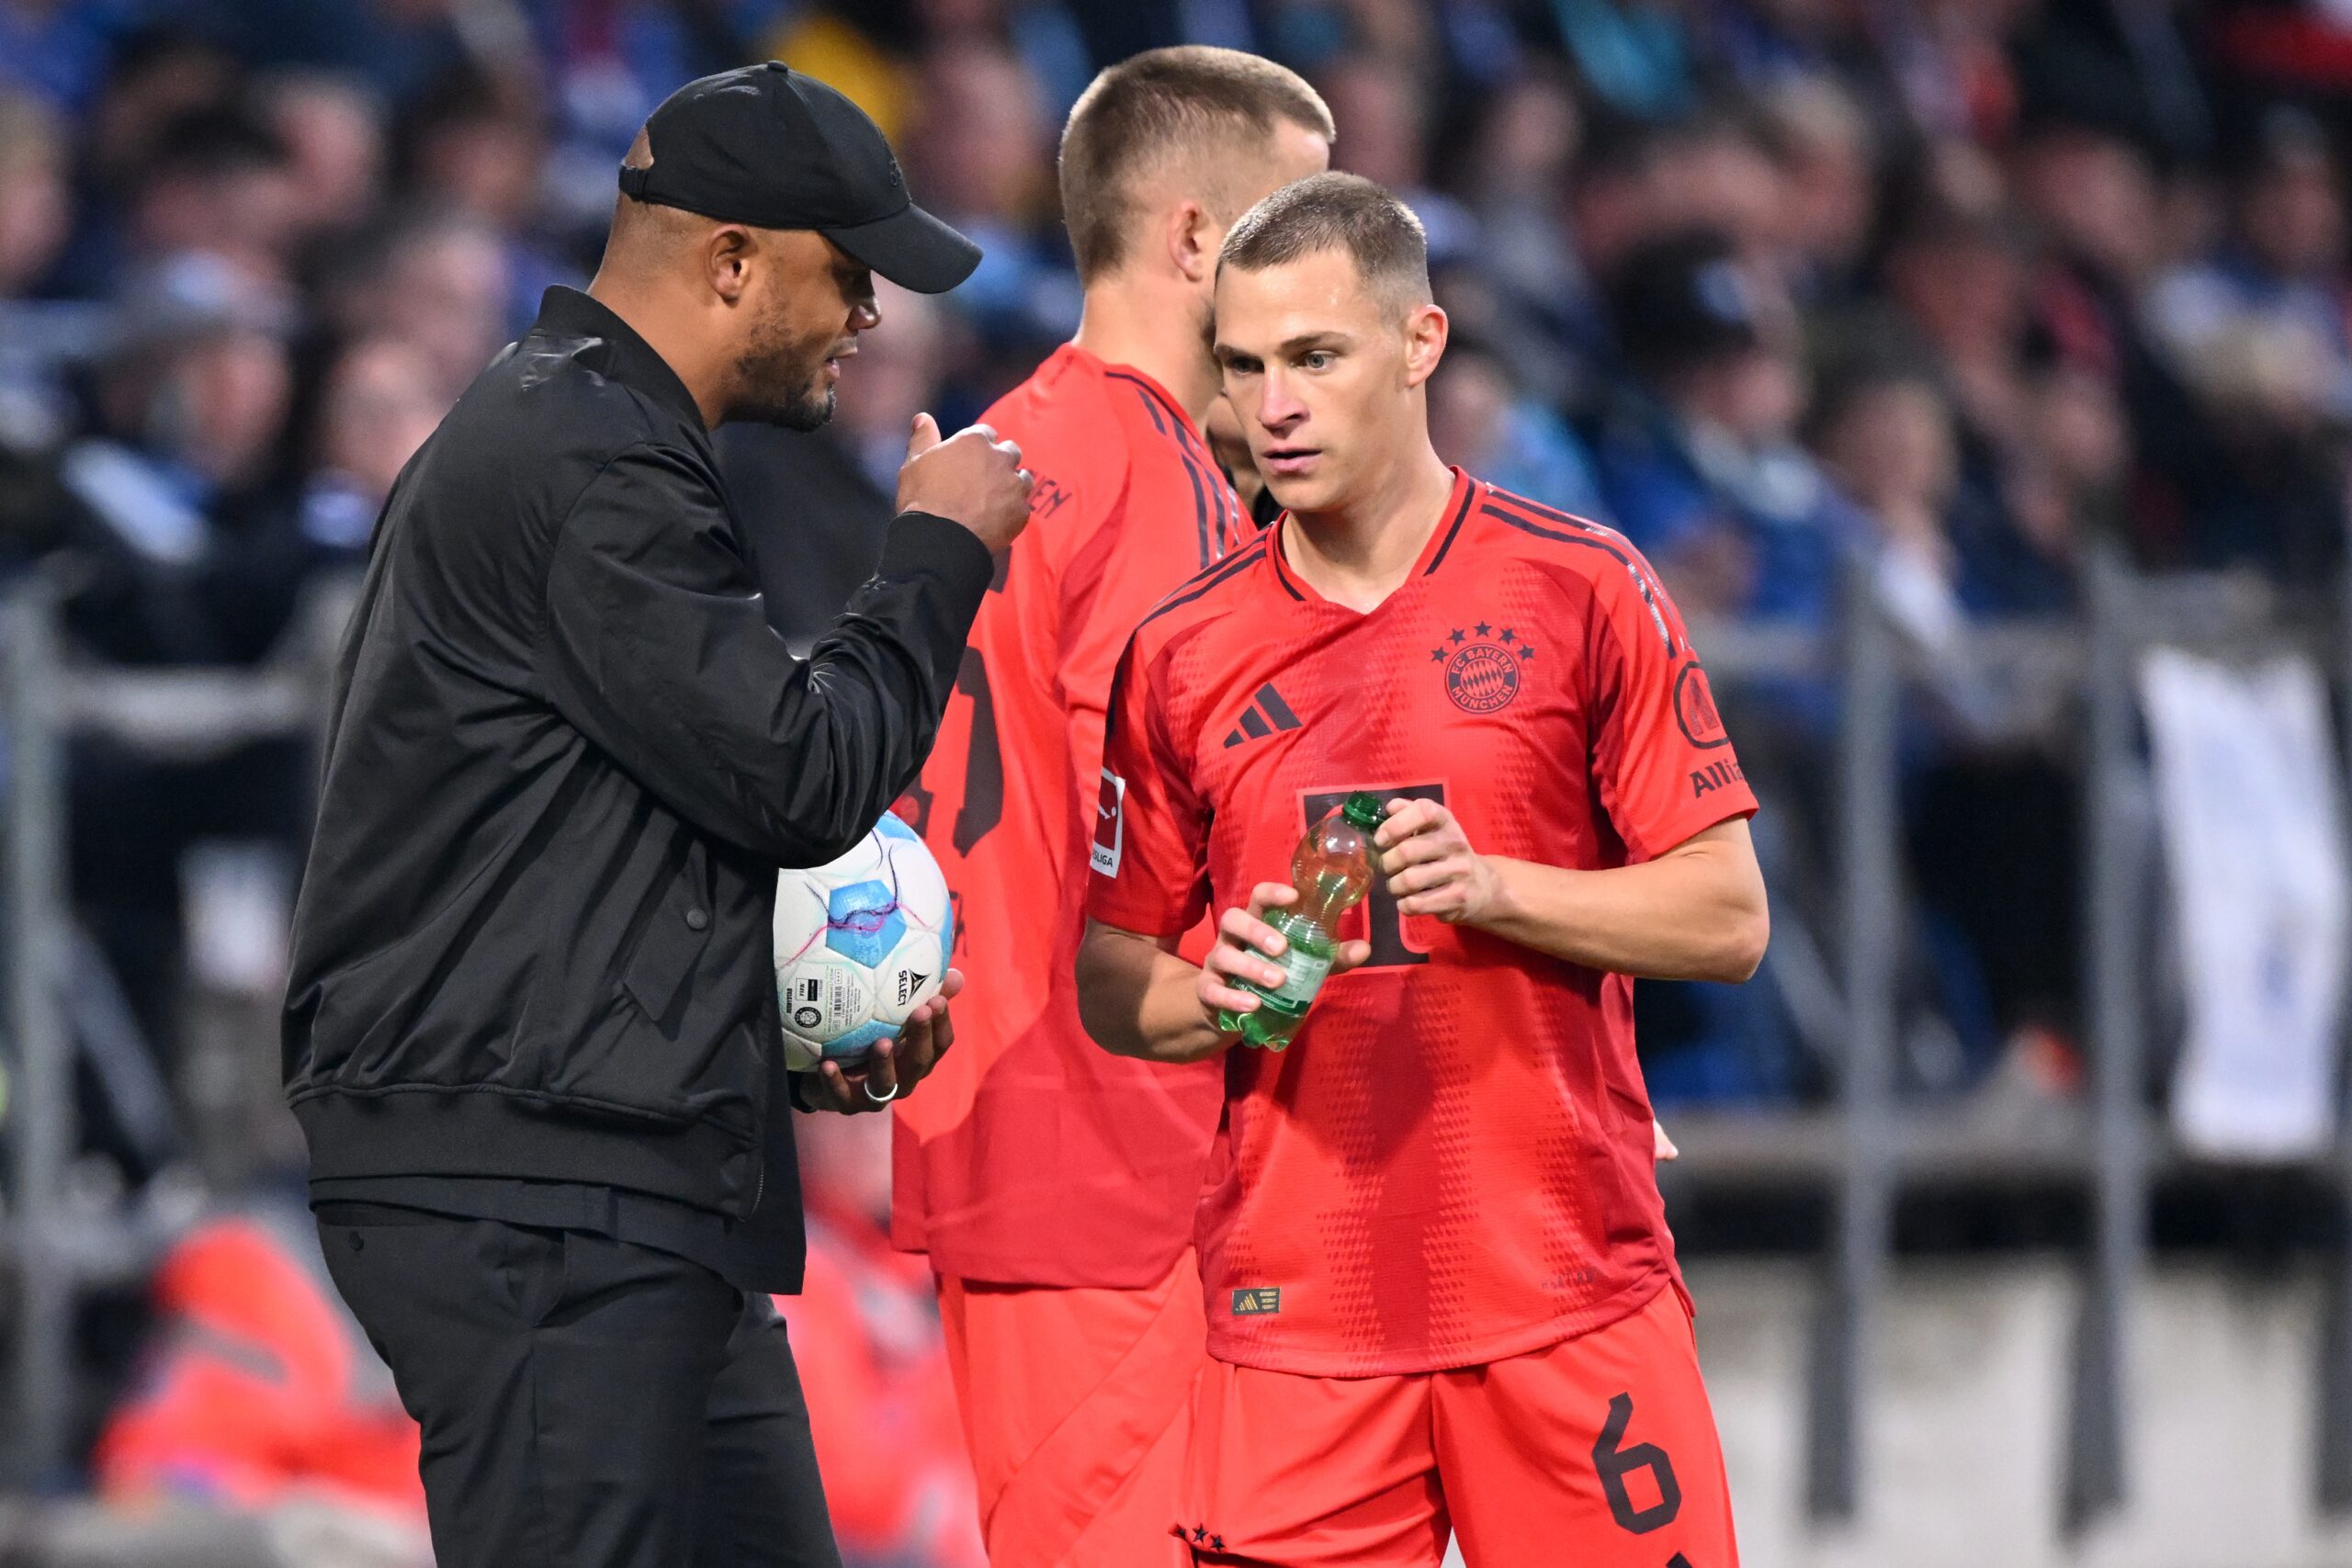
(1053, 1186)
(1441, 1290)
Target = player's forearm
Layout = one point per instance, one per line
(1695, 914)
(1135, 998)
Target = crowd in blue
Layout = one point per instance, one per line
(1954, 288)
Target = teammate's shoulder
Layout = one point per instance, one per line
(1067, 413)
(1157, 430)
(1206, 597)
(1144, 406)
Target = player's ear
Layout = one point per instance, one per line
(1191, 238)
(1424, 334)
(727, 251)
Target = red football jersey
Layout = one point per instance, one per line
(1452, 1162)
(1030, 1156)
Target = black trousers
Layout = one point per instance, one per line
(586, 1402)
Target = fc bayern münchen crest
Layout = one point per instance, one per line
(1483, 666)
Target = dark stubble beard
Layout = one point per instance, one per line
(783, 380)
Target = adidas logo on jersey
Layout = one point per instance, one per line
(1266, 713)
(1264, 1299)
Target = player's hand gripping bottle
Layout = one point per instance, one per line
(1332, 871)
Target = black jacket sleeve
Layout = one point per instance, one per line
(656, 647)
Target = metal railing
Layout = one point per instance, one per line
(56, 1244)
(1870, 1144)
(1861, 1151)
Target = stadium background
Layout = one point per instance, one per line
(1947, 357)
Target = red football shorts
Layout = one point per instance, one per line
(1074, 1405)
(1597, 1452)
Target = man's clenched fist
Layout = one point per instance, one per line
(971, 477)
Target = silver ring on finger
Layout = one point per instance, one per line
(879, 1098)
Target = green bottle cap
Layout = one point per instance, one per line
(1363, 809)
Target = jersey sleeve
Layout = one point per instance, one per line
(1150, 853)
(1661, 759)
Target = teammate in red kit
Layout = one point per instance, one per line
(1054, 1186)
(1442, 1294)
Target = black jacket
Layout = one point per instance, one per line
(565, 756)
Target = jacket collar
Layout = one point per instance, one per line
(628, 359)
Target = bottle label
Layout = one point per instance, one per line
(1306, 974)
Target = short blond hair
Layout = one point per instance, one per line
(1191, 102)
(1336, 213)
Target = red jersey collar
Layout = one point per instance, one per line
(1441, 542)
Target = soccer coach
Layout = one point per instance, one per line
(530, 1029)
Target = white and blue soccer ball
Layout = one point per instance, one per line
(860, 943)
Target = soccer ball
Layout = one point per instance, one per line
(859, 944)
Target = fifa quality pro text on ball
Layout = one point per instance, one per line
(1332, 871)
(860, 943)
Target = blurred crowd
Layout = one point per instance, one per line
(1962, 291)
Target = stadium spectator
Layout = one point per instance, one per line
(1887, 439)
(1724, 178)
(1827, 159)
(37, 336)
(35, 193)
(159, 77)
(332, 129)
(982, 151)
(2026, 274)
(220, 181)
(1480, 421)
(2281, 262)
(1382, 103)
(2096, 199)
(474, 147)
(1698, 459)
(2258, 329)
(1957, 281)
(440, 283)
(381, 400)
(191, 402)
(1513, 176)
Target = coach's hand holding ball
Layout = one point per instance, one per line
(894, 1065)
(971, 477)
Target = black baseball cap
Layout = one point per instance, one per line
(768, 146)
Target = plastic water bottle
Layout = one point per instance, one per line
(1332, 871)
